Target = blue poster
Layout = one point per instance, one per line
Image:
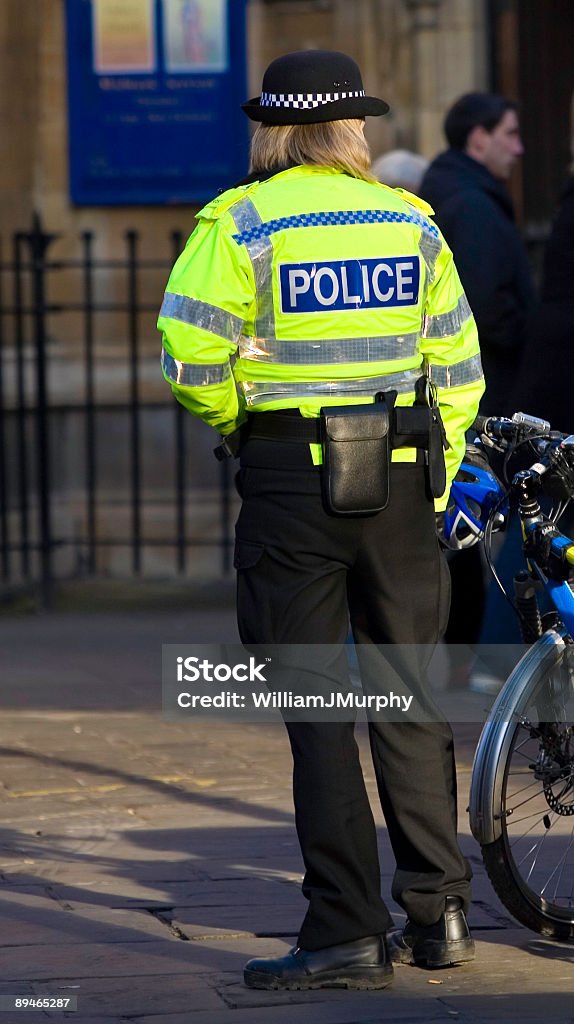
(154, 93)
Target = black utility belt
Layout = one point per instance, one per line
(410, 426)
(356, 442)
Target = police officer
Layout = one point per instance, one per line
(328, 288)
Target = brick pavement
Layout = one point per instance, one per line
(143, 861)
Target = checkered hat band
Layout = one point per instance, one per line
(305, 100)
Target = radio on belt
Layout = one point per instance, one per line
(349, 284)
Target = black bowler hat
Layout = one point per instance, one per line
(311, 86)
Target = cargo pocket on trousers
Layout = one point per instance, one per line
(247, 554)
(254, 612)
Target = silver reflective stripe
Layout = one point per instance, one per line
(444, 324)
(246, 217)
(194, 375)
(245, 214)
(465, 372)
(429, 247)
(258, 392)
(329, 350)
(201, 314)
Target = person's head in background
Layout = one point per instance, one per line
(400, 169)
(485, 127)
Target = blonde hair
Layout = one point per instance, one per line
(339, 144)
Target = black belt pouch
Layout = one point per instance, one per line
(356, 442)
(420, 426)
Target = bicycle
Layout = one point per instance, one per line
(522, 788)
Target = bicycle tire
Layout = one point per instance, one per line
(542, 681)
(531, 915)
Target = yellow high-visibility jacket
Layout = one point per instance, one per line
(313, 288)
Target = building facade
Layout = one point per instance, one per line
(78, 298)
(419, 54)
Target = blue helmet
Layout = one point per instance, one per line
(474, 493)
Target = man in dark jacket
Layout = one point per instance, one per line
(466, 188)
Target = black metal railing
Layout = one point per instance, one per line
(33, 334)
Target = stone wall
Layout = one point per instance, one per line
(19, 76)
(418, 54)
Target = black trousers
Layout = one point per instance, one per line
(302, 576)
(468, 596)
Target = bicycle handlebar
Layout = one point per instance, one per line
(552, 475)
(554, 451)
(500, 428)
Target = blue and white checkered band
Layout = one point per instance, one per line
(305, 100)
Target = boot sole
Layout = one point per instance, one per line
(436, 954)
(362, 979)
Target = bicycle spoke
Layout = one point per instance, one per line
(540, 845)
(533, 796)
(522, 754)
(560, 862)
(523, 790)
(527, 854)
(537, 815)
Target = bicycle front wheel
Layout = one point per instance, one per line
(531, 862)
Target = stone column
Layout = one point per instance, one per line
(18, 110)
(425, 18)
(448, 58)
(365, 30)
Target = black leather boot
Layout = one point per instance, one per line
(362, 964)
(443, 944)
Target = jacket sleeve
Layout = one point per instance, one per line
(207, 300)
(450, 346)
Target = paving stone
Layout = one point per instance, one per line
(321, 1007)
(243, 892)
(118, 892)
(150, 996)
(513, 1006)
(97, 870)
(131, 960)
(99, 894)
(31, 919)
(263, 869)
(253, 920)
(79, 1018)
(161, 815)
(35, 1017)
(87, 960)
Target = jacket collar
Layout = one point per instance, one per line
(261, 175)
(293, 170)
(471, 173)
